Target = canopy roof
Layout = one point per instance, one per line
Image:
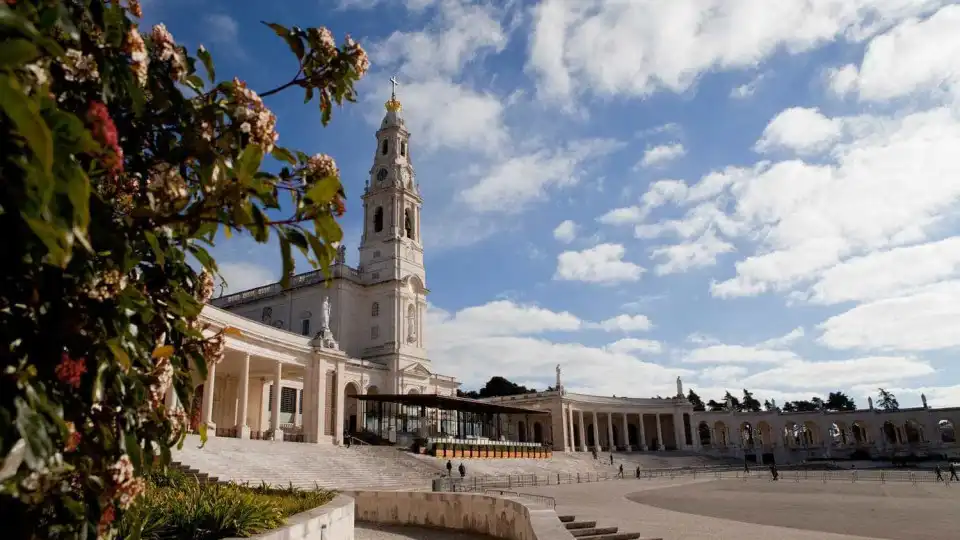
(448, 403)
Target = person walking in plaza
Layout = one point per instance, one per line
(638, 471)
(939, 473)
(463, 470)
(611, 459)
(620, 474)
(953, 472)
(449, 468)
(774, 472)
(746, 466)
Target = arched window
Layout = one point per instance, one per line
(411, 323)
(408, 223)
(375, 309)
(384, 147)
(403, 149)
(266, 316)
(378, 219)
(382, 176)
(305, 327)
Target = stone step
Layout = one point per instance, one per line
(581, 524)
(617, 536)
(567, 519)
(593, 531)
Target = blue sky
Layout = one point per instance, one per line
(743, 194)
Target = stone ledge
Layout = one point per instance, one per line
(500, 517)
(332, 521)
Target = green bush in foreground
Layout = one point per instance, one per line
(175, 506)
(122, 158)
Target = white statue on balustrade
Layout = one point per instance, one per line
(325, 335)
(679, 388)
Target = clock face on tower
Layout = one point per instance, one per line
(381, 176)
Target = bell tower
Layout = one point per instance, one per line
(391, 256)
(391, 248)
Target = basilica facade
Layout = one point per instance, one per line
(322, 341)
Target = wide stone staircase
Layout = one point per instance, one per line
(588, 530)
(303, 465)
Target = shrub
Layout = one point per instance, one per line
(174, 508)
(119, 164)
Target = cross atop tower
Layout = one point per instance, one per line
(393, 81)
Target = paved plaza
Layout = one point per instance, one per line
(704, 509)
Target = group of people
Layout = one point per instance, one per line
(952, 468)
(461, 469)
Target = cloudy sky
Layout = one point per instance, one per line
(754, 194)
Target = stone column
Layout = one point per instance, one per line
(243, 430)
(596, 431)
(275, 412)
(569, 420)
(626, 433)
(338, 432)
(208, 388)
(659, 434)
(583, 432)
(318, 421)
(563, 425)
(610, 441)
(643, 435)
(309, 400)
(679, 430)
(695, 433)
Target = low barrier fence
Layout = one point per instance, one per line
(510, 482)
(542, 500)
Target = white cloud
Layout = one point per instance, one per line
(747, 89)
(646, 46)
(723, 374)
(600, 264)
(702, 251)
(516, 181)
(770, 351)
(621, 216)
(656, 156)
(841, 373)
(801, 130)
(632, 345)
(917, 56)
(566, 231)
(500, 338)
(785, 340)
(241, 276)
(924, 320)
(221, 28)
(626, 323)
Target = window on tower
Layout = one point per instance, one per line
(403, 149)
(381, 176)
(378, 219)
(375, 309)
(384, 147)
(408, 223)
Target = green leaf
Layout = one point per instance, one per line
(25, 115)
(286, 258)
(324, 189)
(203, 257)
(155, 246)
(207, 61)
(328, 229)
(16, 52)
(295, 44)
(78, 191)
(249, 162)
(282, 154)
(57, 240)
(134, 451)
(32, 429)
(202, 428)
(119, 354)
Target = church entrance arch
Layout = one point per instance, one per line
(521, 431)
(537, 432)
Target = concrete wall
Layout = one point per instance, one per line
(332, 521)
(507, 518)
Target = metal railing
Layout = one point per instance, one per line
(542, 500)
(510, 482)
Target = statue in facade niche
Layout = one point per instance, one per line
(341, 254)
(325, 335)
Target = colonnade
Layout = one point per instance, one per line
(630, 435)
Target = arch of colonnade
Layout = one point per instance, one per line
(890, 430)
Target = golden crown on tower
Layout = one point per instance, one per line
(393, 104)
